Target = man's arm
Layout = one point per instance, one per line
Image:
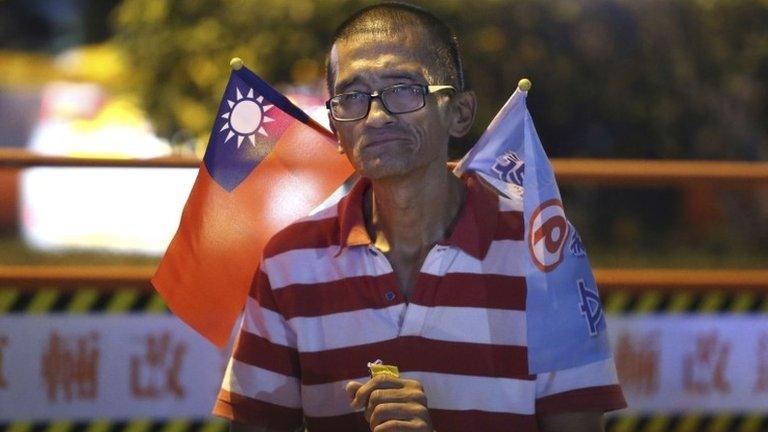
(585, 421)
(242, 427)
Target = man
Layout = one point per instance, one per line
(414, 267)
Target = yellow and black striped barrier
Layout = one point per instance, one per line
(80, 301)
(674, 302)
(652, 423)
(688, 423)
(138, 300)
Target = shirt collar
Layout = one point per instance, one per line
(473, 230)
(475, 227)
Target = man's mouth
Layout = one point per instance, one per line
(375, 142)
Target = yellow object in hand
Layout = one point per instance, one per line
(378, 368)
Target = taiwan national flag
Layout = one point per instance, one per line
(564, 316)
(267, 164)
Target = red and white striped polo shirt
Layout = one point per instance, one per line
(325, 302)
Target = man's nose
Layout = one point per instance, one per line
(378, 115)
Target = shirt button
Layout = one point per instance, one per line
(389, 295)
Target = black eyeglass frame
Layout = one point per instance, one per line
(426, 90)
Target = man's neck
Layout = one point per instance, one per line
(407, 215)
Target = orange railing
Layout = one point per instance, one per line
(611, 171)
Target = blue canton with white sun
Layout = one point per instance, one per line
(243, 135)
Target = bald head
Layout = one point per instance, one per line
(386, 22)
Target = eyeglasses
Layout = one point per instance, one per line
(397, 99)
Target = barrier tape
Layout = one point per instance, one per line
(81, 301)
(613, 423)
(636, 302)
(130, 299)
(688, 423)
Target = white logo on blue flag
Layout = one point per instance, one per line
(509, 168)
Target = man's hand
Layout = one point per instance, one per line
(391, 404)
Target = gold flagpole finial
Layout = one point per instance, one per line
(236, 63)
(524, 84)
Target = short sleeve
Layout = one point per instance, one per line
(591, 387)
(261, 384)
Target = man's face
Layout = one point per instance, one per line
(385, 145)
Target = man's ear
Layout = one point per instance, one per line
(464, 106)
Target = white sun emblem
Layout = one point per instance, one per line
(245, 118)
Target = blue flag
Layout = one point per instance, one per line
(565, 319)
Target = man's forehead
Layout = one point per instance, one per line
(370, 55)
(378, 62)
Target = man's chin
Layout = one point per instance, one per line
(379, 170)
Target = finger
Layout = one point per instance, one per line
(372, 402)
(351, 388)
(414, 403)
(390, 411)
(411, 383)
(378, 382)
(397, 395)
(402, 426)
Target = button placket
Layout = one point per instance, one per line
(416, 318)
(389, 294)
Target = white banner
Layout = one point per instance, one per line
(78, 367)
(110, 366)
(692, 363)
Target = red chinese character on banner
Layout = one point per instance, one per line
(761, 383)
(3, 344)
(637, 362)
(704, 368)
(156, 373)
(70, 365)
